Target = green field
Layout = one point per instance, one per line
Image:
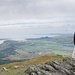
(31, 48)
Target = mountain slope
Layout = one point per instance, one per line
(23, 65)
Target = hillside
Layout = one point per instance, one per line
(23, 65)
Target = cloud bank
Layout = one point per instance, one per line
(32, 9)
(22, 17)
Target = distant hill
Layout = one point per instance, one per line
(11, 50)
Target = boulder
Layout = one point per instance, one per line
(3, 69)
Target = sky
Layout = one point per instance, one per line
(21, 18)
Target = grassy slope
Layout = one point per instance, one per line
(39, 60)
(61, 45)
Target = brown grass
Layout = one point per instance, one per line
(39, 60)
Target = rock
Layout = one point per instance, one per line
(16, 67)
(3, 69)
(56, 62)
(65, 67)
(55, 66)
(48, 68)
(33, 73)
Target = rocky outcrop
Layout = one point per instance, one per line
(64, 67)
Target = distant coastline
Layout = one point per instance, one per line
(31, 36)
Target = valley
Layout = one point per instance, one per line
(16, 51)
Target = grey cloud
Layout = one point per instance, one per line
(22, 9)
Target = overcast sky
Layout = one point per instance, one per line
(33, 9)
(22, 17)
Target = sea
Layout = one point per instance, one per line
(27, 37)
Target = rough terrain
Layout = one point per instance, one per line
(64, 67)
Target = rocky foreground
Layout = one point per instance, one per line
(64, 67)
